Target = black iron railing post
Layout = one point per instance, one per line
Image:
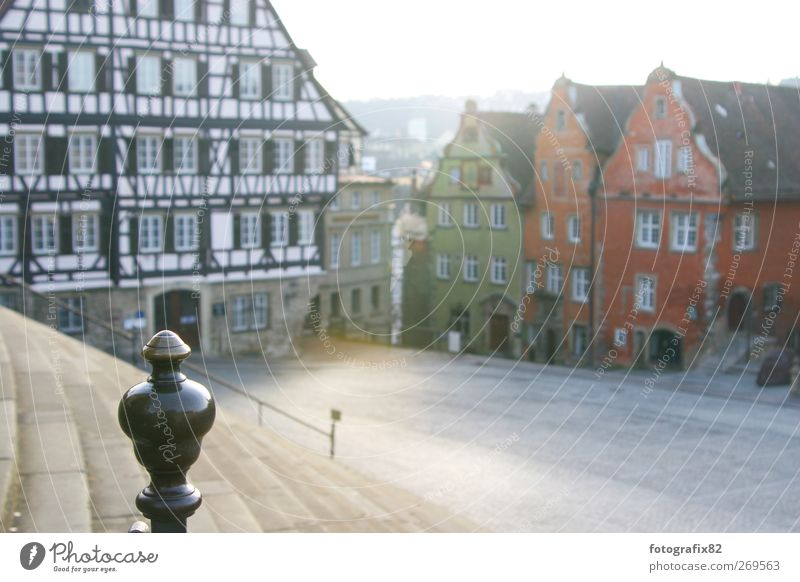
(166, 417)
(336, 416)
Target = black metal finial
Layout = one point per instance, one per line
(166, 417)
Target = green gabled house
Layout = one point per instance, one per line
(474, 208)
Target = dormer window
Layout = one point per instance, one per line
(660, 108)
(239, 12)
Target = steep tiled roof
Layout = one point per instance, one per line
(516, 134)
(605, 110)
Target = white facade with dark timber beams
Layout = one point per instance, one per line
(166, 162)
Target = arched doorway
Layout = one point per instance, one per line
(179, 311)
(499, 339)
(737, 311)
(666, 348)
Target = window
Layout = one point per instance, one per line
(660, 108)
(455, 175)
(27, 74)
(336, 305)
(184, 77)
(250, 155)
(471, 268)
(336, 248)
(239, 12)
(375, 297)
(663, 167)
(445, 217)
(81, 72)
(250, 312)
(82, 152)
(543, 171)
(684, 231)
(355, 249)
(8, 234)
(315, 156)
(355, 300)
(574, 228)
(355, 200)
(147, 154)
(555, 279)
(148, 75)
(283, 81)
(70, 321)
(499, 271)
(485, 175)
(284, 150)
(334, 205)
(580, 285)
(561, 120)
(184, 152)
(642, 158)
(744, 232)
(249, 230)
(443, 266)
(577, 170)
(85, 230)
(533, 276)
(150, 227)
(147, 8)
(685, 160)
(239, 313)
(43, 235)
(646, 293)
(548, 226)
(305, 234)
(250, 80)
(471, 219)
(260, 311)
(279, 229)
(184, 10)
(376, 198)
(28, 154)
(580, 339)
(375, 247)
(648, 229)
(498, 215)
(186, 238)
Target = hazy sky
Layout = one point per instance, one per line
(379, 48)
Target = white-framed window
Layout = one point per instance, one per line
(660, 107)
(355, 249)
(443, 266)
(574, 228)
(577, 170)
(150, 231)
(284, 150)
(376, 198)
(184, 152)
(315, 156)
(250, 155)
(8, 234)
(305, 227)
(744, 232)
(532, 277)
(355, 200)
(580, 284)
(28, 153)
(555, 279)
(184, 10)
(375, 247)
(279, 229)
(471, 268)
(184, 77)
(70, 321)
(26, 69)
(239, 313)
(250, 230)
(548, 225)
(239, 12)
(260, 311)
(44, 234)
(499, 270)
(471, 219)
(250, 79)
(283, 81)
(543, 176)
(335, 250)
(685, 160)
(684, 231)
(148, 75)
(82, 153)
(497, 213)
(148, 8)
(148, 154)
(186, 233)
(648, 229)
(663, 167)
(646, 293)
(642, 158)
(85, 232)
(580, 340)
(444, 215)
(455, 175)
(81, 71)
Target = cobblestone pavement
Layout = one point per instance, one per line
(522, 447)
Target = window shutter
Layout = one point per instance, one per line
(62, 66)
(55, 158)
(266, 229)
(293, 228)
(226, 12)
(46, 67)
(65, 234)
(169, 233)
(319, 235)
(268, 153)
(252, 15)
(8, 69)
(266, 81)
(331, 156)
(299, 157)
(237, 230)
(101, 72)
(167, 158)
(233, 156)
(298, 83)
(130, 84)
(106, 224)
(166, 9)
(7, 156)
(235, 80)
(133, 234)
(130, 159)
(106, 155)
(202, 78)
(203, 161)
(166, 77)
(134, 7)
(198, 10)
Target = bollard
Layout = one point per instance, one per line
(166, 417)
